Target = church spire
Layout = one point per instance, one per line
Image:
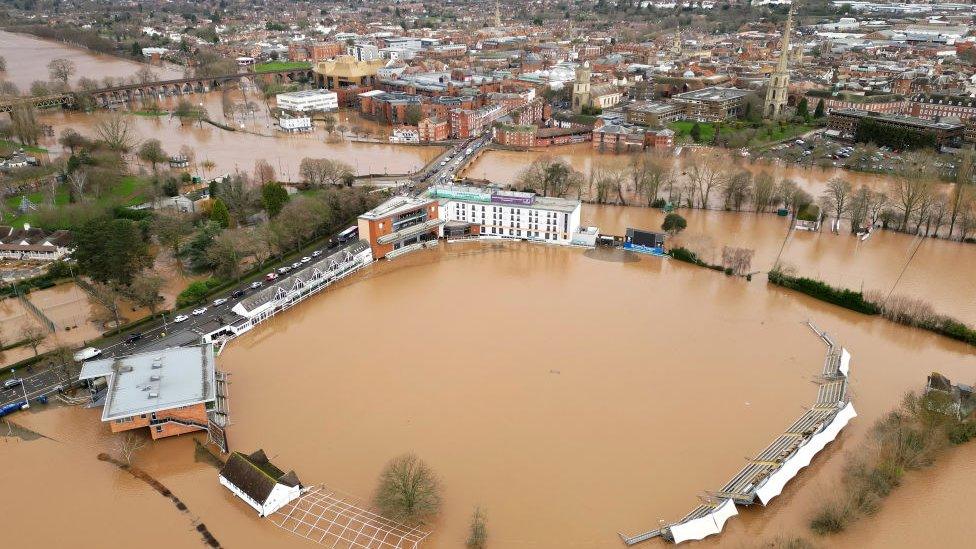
(779, 82)
(784, 47)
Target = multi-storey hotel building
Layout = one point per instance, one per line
(399, 225)
(486, 212)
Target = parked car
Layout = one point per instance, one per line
(256, 284)
(87, 353)
(181, 318)
(270, 276)
(296, 265)
(316, 253)
(237, 293)
(199, 311)
(283, 270)
(133, 338)
(306, 259)
(11, 383)
(219, 301)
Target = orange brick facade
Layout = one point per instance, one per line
(166, 423)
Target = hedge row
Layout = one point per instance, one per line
(848, 299)
(954, 329)
(688, 256)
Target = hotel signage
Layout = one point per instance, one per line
(510, 199)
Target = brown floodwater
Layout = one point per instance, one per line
(567, 391)
(238, 151)
(504, 167)
(937, 273)
(28, 57)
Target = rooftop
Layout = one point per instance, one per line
(715, 93)
(395, 205)
(155, 380)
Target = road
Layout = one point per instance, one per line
(168, 333)
(37, 382)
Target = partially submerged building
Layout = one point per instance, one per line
(399, 225)
(257, 481)
(168, 392)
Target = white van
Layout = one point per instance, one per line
(86, 354)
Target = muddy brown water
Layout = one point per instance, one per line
(28, 57)
(571, 394)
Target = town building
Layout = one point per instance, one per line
(405, 134)
(654, 113)
(363, 52)
(489, 212)
(169, 392)
(433, 129)
(846, 123)
(390, 108)
(346, 72)
(887, 103)
(400, 224)
(33, 244)
(937, 106)
(326, 50)
(308, 101)
(257, 481)
(294, 124)
(714, 104)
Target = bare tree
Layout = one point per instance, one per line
(144, 290)
(736, 188)
(33, 335)
(61, 70)
(109, 297)
(408, 491)
(738, 260)
(263, 172)
(704, 175)
(23, 123)
(128, 444)
(146, 75)
(171, 228)
(649, 173)
(116, 131)
(78, 181)
(763, 191)
(836, 198)
(912, 186)
(478, 531)
(151, 151)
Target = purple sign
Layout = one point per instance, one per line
(509, 199)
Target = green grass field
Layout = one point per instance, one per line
(274, 66)
(13, 146)
(768, 133)
(129, 192)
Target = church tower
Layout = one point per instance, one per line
(581, 88)
(676, 48)
(779, 82)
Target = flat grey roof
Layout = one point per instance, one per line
(395, 205)
(155, 380)
(714, 93)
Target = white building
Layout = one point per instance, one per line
(254, 479)
(308, 101)
(493, 213)
(405, 134)
(363, 52)
(294, 124)
(149, 52)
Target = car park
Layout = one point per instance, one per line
(199, 311)
(181, 318)
(219, 301)
(11, 383)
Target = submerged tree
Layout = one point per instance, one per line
(408, 491)
(478, 533)
(674, 224)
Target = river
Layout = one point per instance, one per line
(28, 57)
